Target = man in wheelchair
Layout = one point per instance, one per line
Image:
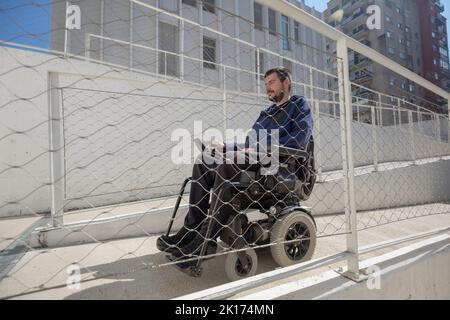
(240, 185)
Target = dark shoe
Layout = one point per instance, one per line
(193, 249)
(188, 267)
(170, 243)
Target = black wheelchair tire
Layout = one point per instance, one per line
(281, 228)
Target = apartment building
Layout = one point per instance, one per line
(403, 37)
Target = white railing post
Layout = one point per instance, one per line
(66, 33)
(56, 145)
(311, 85)
(347, 159)
(182, 51)
(374, 139)
(394, 115)
(334, 106)
(258, 79)
(87, 46)
(448, 120)
(130, 59)
(411, 134)
(316, 112)
(380, 110)
(316, 107)
(165, 63)
(357, 113)
(224, 102)
(438, 126)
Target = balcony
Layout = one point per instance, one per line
(439, 6)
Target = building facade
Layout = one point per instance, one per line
(198, 41)
(405, 36)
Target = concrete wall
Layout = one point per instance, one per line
(118, 127)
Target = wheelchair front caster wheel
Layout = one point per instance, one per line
(239, 265)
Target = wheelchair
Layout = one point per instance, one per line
(288, 228)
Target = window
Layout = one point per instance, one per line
(209, 6)
(400, 41)
(190, 2)
(257, 10)
(285, 32)
(436, 76)
(388, 34)
(358, 29)
(357, 12)
(411, 87)
(402, 55)
(388, 19)
(399, 25)
(397, 9)
(443, 52)
(287, 64)
(391, 50)
(296, 31)
(435, 62)
(209, 53)
(408, 43)
(170, 5)
(444, 64)
(272, 22)
(168, 41)
(433, 34)
(407, 29)
(392, 81)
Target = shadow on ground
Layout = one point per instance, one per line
(131, 279)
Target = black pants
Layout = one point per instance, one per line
(207, 177)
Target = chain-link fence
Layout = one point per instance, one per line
(99, 133)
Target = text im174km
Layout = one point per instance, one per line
(226, 310)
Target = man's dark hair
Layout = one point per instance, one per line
(282, 74)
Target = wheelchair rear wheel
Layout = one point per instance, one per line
(296, 225)
(239, 265)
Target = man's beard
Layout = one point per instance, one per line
(277, 98)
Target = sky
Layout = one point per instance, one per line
(28, 21)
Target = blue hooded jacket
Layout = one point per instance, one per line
(293, 120)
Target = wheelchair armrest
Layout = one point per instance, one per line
(290, 152)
